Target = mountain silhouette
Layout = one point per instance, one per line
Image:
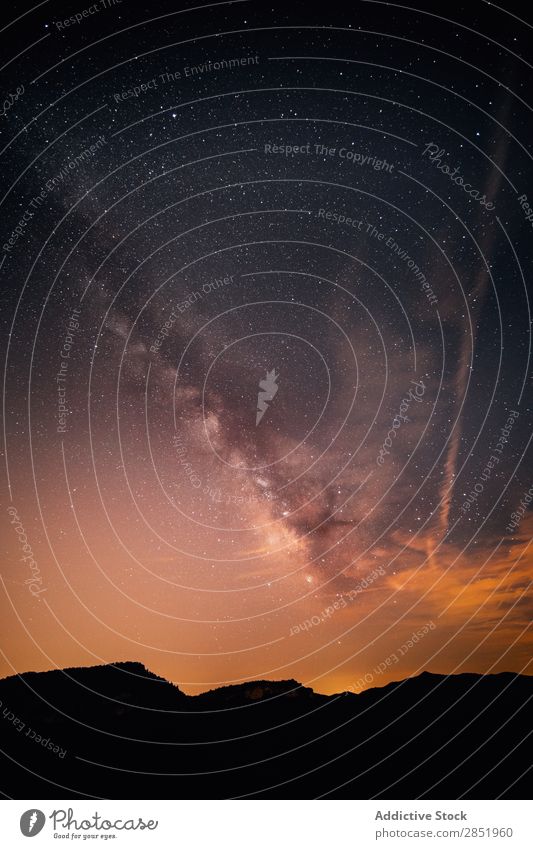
(118, 731)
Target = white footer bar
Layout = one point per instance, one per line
(267, 824)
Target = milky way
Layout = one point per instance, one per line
(267, 340)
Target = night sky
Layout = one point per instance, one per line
(331, 201)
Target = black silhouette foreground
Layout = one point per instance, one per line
(120, 732)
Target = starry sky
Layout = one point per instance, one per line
(198, 197)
